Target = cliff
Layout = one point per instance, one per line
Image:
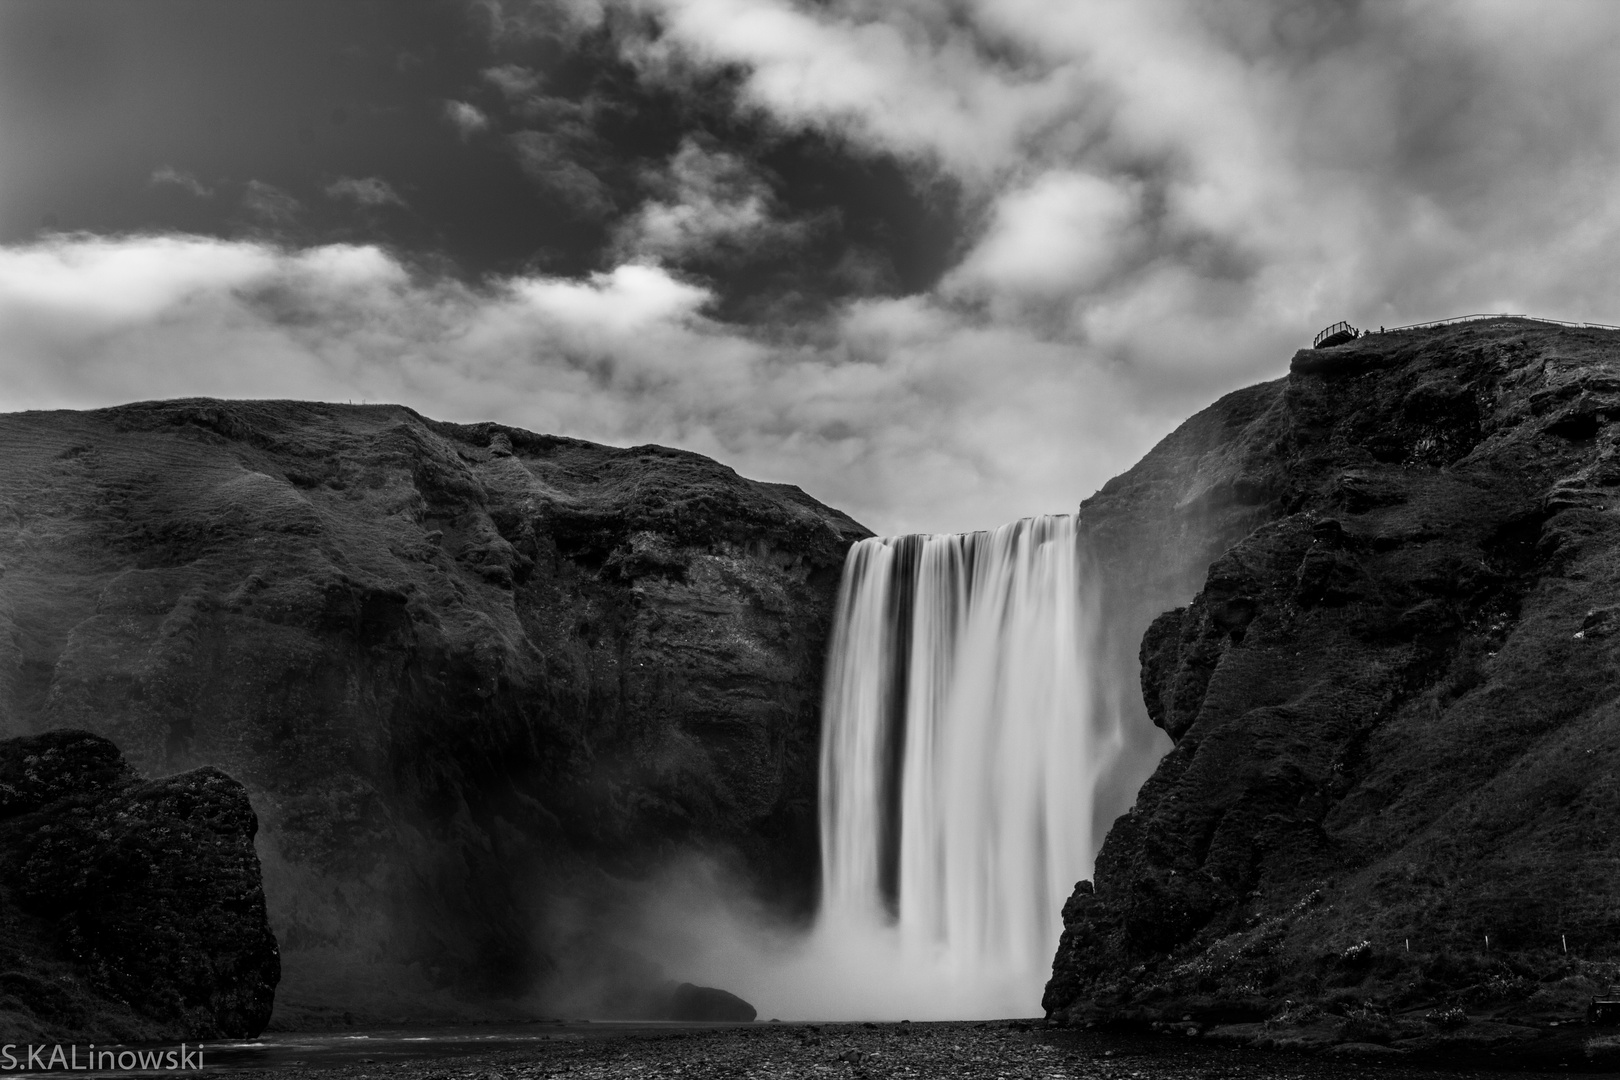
(130, 909)
(1148, 538)
(476, 681)
(1388, 814)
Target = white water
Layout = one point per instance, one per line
(960, 750)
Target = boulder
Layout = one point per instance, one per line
(132, 909)
(709, 1004)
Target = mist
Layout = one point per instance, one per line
(697, 922)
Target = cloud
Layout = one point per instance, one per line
(911, 76)
(902, 414)
(271, 205)
(520, 89)
(467, 119)
(711, 201)
(549, 161)
(181, 179)
(1061, 236)
(367, 191)
(1160, 201)
(1181, 190)
(509, 20)
(516, 82)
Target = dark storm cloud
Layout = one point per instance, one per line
(941, 264)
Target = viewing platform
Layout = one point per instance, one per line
(1337, 334)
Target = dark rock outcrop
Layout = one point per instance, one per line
(1389, 815)
(474, 678)
(709, 1004)
(129, 909)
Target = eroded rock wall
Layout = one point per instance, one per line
(1148, 537)
(1393, 710)
(471, 676)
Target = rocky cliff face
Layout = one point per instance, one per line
(130, 909)
(1389, 813)
(1148, 539)
(472, 677)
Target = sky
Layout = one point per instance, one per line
(941, 263)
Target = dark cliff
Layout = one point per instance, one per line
(472, 677)
(130, 909)
(1393, 711)
(1148, 538)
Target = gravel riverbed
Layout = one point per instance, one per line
(772, 1051)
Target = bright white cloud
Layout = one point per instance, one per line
(904, 76)
(905, 415)
(1059, 237)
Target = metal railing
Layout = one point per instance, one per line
(1490, 315)
(1333, 331)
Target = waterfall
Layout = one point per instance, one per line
(960, 748)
